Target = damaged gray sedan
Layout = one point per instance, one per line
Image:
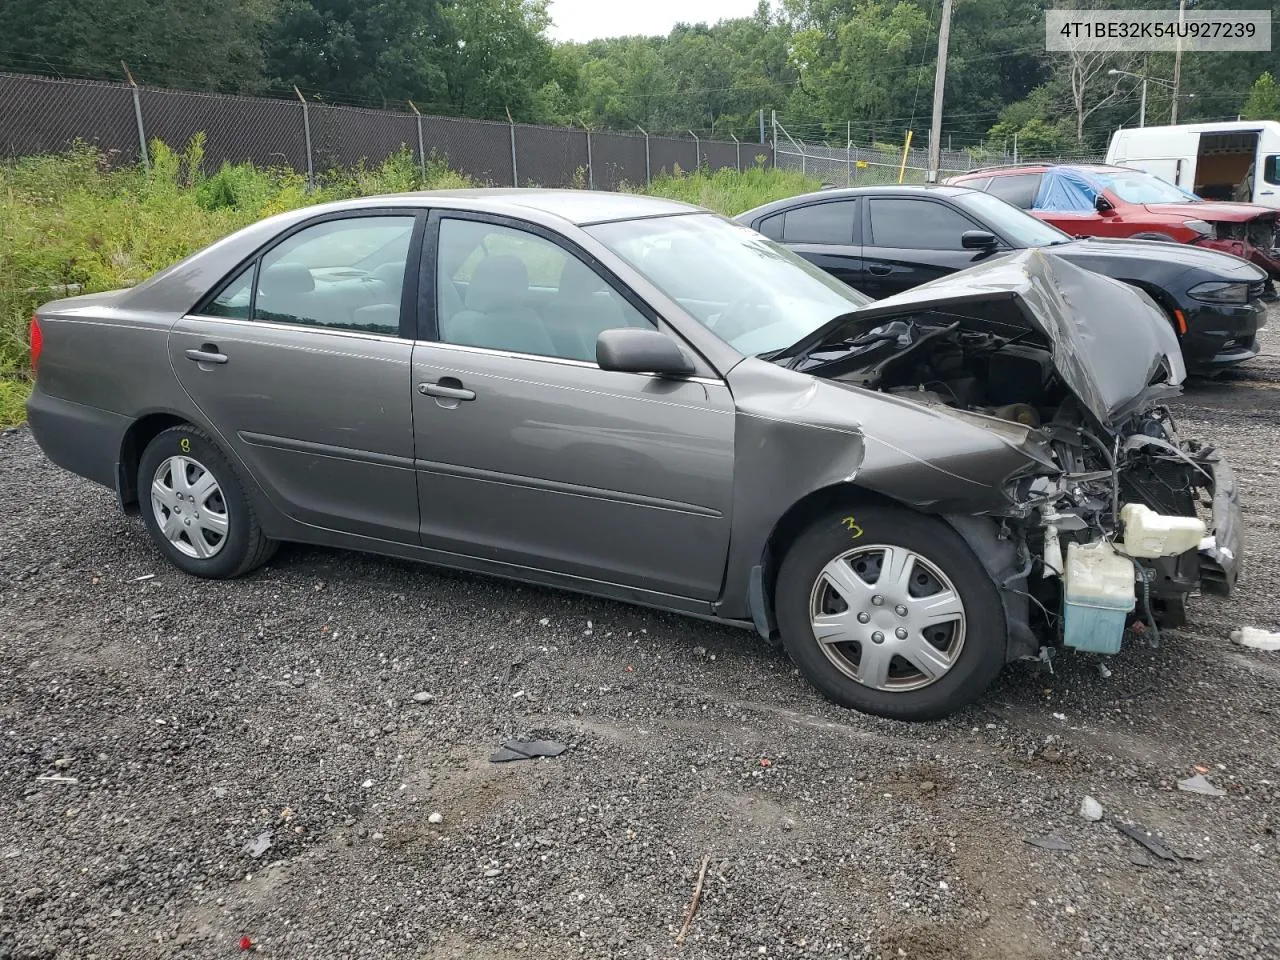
(637, 399)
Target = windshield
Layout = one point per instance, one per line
(1134, 186)
(755, 295)
(1019, 227)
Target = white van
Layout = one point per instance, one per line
(1219, 161)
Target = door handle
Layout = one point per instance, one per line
(208, 353)
(878, 270)
(446, 391)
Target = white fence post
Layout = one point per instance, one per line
(306, 133)
(591, 174)
(737, 164)
(515, 176)
(648, 178)
(137, 116)
(422, 153)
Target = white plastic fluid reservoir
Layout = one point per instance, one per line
(1098, 598)
(1151, 534)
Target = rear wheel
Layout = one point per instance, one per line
(889, 612)
(195, 508)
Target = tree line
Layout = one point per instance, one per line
(833, 69)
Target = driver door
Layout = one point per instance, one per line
(528, 453)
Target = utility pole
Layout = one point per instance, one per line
(1142, 107)
(1177, 64)
(939, 85)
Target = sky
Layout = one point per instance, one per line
(583, 20)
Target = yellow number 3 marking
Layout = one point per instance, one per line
(851, 525)
(184, 445)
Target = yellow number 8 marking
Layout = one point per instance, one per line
(851, 525)
(184, 445)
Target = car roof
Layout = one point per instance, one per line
(1038, 168)
(836, 193)
(579, 207)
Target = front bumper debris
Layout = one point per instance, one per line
(1222, 551)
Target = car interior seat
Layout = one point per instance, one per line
(496, 313)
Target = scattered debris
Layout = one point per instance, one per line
(436, 817)
(423, 697)
(527, 750)
(62, 763)
(1104, 671)
(55, 778)
(1256, 639)
(1060, 716)
(1091, 809)
(259, 845)
(1050, 841)
(1199, 784)
(1154, 843)
(144, 577)
(491, 873)
(246, 943)
(766, 762)
(367, 784)
(219, 793)
(693, 904)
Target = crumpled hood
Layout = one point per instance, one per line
(1213, 210)
(1112, 346)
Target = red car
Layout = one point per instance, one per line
(1094, 200)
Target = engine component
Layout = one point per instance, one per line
(1151, 534)
(1018, 371)
(1098, 598)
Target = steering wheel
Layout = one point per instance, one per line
(733, 320)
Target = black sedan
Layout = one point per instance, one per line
(883, 240)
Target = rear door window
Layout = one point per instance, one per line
(1271, 169)
(821, 223)
(1020, 189)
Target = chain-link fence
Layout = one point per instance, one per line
(853, 166)
(43, 115)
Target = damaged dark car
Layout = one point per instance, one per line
(640, 400)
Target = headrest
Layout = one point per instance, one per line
(579, 282)
(283, 279)
(498, 282)
(392, 274)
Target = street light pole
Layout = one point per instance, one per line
(939, 86)
(1177, 65)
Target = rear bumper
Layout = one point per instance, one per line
(79, 438)
(1222, 552)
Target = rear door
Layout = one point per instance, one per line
(826, 234)
(528, 453)
(300, 363)
(912, 240)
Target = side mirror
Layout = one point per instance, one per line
(1102, 204)
(630, 350)
(977, 240)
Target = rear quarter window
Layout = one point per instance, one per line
(1019, 189)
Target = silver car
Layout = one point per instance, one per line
(641, 400)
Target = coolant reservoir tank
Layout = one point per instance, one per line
(1151, 534)
(1098, 597)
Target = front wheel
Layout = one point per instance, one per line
(195, 508)
(890, 612)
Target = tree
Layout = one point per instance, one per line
(378, 50)
(500, 59)
(172, 43)
(1264, 100)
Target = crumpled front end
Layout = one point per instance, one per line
(1093, 501)
(1256, 240)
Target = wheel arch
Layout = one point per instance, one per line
(998, 556)
(140, 433)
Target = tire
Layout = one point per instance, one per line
(963, 652)
(187, 486)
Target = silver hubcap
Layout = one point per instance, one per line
(887, 618)
(189, 508)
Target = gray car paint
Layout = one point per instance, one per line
(640, 488)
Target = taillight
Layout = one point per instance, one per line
(37, 342)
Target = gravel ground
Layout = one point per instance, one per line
(153, 725)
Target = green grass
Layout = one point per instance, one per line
(68, 221)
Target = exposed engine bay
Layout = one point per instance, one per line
(1115, 520)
